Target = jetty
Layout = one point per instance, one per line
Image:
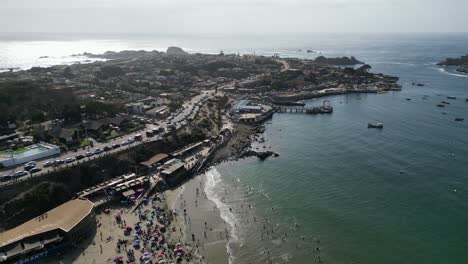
(326, 108)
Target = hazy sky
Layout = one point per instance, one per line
(233, 16)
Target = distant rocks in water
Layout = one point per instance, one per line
(461, 63)
(261, 155)
(175, 51)
(343, 61)
(440, 105)
(311, 51)
(418, 84)
(445, 102)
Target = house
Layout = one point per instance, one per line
(158, 112)
(135, 108)
(65, 135)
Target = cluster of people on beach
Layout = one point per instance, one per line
(147, 239)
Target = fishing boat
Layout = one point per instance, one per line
(459, 119)
(451, 97)
(376, 125)
(441, 105)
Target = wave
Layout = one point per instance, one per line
(452, 74)
(212, 189)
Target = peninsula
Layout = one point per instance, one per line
(461, 63)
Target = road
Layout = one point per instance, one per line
(189, 110)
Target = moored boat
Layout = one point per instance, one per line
(459, 119)
(376, 125)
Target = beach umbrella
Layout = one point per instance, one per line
(137, 241)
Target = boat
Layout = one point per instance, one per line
(408, 99)
(376, 125)
(459, 119)
(451, 97)
(441, 105)
(466, 100)
(444, 102)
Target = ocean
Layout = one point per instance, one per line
(338, 192)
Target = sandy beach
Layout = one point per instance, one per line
(200, 220)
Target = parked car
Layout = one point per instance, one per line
(89, 154)
(138, 137)
(116, 146)
(5, 178)
(149, 133)
(70, 160)
(58, 162)
(107, 148)
(124, 143)
(98, 151)
(79, 157)
(48, 164)
(20, 173)
(28, 167)
(131, 140)
(34, 170)
(31, 163)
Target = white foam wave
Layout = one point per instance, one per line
(212, 189)
(453, 74)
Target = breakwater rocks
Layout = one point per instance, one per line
(262, 155)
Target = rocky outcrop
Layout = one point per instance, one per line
(175, 51)
(344, 61)
(261, 155)
(461, 63)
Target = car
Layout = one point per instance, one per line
(70, 160)
(20, 173)
(34, 170)
(5, 178)
(131, 140)
(28, 167)
(48, 164)
(79, 157)
(89, 154)
(124, 143)
(116, 146)
(58, 162)
(107, 148)
(31, 163)
(149, 133)
(98, 151)
(138, 137)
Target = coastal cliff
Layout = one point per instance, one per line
(461, 63)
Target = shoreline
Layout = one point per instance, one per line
(200, 220)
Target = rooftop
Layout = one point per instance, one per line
(64, 217)
(155, 159)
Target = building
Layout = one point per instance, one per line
(47, 233)
(158, 112)
(173, 171)
(33, 152)
(135, 108)
(156, 160)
